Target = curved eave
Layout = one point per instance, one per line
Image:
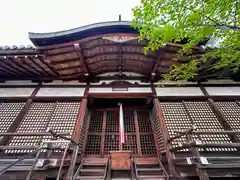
(45, 39)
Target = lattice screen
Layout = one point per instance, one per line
(9, 112)
(129, 127)
(147, 144)
(112, 123)
(176, 120)
(96, 121)
(158, 131)
(130, 143)
(144, 122)
(63, 119)
(93, 144)
(94, 135)
(111, 142)
(36, 120)
(146, 133)
(205, 120)
(231, 112)
(129, 123)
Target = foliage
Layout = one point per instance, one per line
(163, 21)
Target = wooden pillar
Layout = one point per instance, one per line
(20, 117)
(80, 117)
(103, 133)
(77, 132)
(219, 115)
(165, 134)
(139, 148)
(202, 174)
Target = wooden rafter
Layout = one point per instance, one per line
(41, 58)
(26, 61)
(20, 64)
(82, 59)
(156, 64)
(33, 59)
(10, 68)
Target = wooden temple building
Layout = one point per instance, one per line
(86, 103)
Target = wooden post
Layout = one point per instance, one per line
(77, 131)
(80, 117)
(165, 137)
(201, 172)
(103, 133)
(137, 134)
(20, 117)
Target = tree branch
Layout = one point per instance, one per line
(235, 14)
(217, 24)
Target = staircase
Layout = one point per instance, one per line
(149, 169)
(93, 168)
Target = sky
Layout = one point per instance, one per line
(18, 17)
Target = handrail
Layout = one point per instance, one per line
(163, 168)
(18, 160)
(78, 169)
(106, 169)
(135, 169)
(34, 163)
(62, 162)
(182, 133)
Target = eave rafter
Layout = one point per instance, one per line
(120, 59)
(156, 65)
(82, 59)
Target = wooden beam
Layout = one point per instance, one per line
(18, 120)
(139, 148)
(103, 133)
(81, 58)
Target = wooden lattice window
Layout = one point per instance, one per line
(111, 143)
(96, 121)
(144, 122)
(36, 120)
(9, 112)
(130, 143)
(93, 145)
(129, 123)
(130, 131)
(147, 144)
(206, 120)
(112, 123)
(145, 132)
